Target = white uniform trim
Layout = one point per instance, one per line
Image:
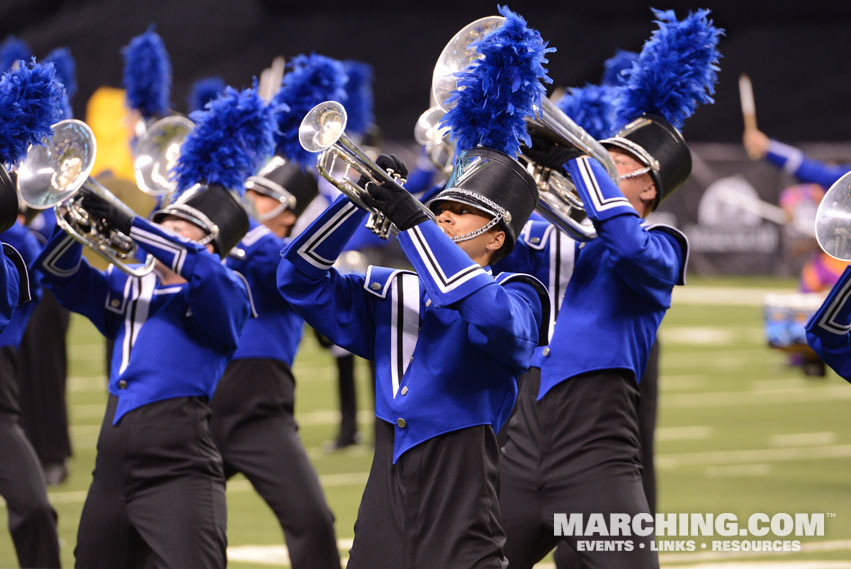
(255, 235)
(61, 248)
(794, 157)
(444, 283)
(141, 291)
(599, 202)
(308, 250)
(154, 240)
(831, 311)
(404, 325)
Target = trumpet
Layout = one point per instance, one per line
(833, 220)
(53, 175)
(156, 153)
(559, 201)
(323, 130)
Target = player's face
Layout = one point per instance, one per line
(280, 224)
(637, 188)
(183, 228)
(456, 219)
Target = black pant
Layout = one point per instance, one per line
(43, 365)
(254, 429)
(436, 507)
(158, 491)
(32, 520)
(575, 451)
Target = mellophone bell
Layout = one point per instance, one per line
(56, 174)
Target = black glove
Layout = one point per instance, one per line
(101, 209)
(393, 200)
(388, 162)
(549, 154)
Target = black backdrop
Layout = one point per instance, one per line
(797, 53)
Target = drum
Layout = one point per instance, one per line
(785, 316)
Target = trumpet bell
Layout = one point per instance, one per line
(833, 220)
(435, 139)
(457, 55)
(156, 153)
(322, 126)
(54, 171)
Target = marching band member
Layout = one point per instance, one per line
(573, 443)
(829, 329)
(30, 102)
(158, 490)
(253, 424)
(449, 341)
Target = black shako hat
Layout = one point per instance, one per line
(286, 182)
(8, 200)
(656, 143)
(213, 208)
(495, 183)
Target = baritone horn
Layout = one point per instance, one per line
(323, 130)
(833, 220)
(54, 174)
(558, 200)
(156, 153)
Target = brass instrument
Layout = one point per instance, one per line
(323, 130)
(429, 134)
(833, 220)
(559, 201)
(156, 153)
(53, 174)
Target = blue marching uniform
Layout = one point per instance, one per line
(448, 342)
(158, 487)
(32, 520)
(792, 161)
(829, 329)
(253, 424)
(576, 419)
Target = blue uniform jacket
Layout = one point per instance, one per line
(829, 329)
(170, 341)
(793, 161)
(616, 288)
(448, 341)
(24, 242)
(14, 283)
(276, 331)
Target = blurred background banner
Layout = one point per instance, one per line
(798, 54)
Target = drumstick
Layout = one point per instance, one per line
(746, 96)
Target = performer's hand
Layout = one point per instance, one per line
(756, 143)
(389, 163)
(396, 203)
(101, 209)
(549, 154)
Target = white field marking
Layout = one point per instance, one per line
(87, 411)
(272, 554)
(236, 486)
(801, 439)
(709, 359)
(84, 431)
(315, 453)
(86, 383)
(780, 395)
(684, 382)
(750, 456)
(723, 296)
(692, 433)
(772, 384)
(806, 547)
(737, 471)
(329, 417)
(710, 335)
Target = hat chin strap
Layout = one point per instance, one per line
(481, 230)
(279, 209)
(501, 213)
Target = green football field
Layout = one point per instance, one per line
(739, 432)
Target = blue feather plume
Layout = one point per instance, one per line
(203, 91)
(30, 102)
(359, 100)
(12, 50)
(676, 70)
(64, 63)
(232, 138)
(498, 91)
(617, 68)
(311, 80)
(592, 107)
(147, 75)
